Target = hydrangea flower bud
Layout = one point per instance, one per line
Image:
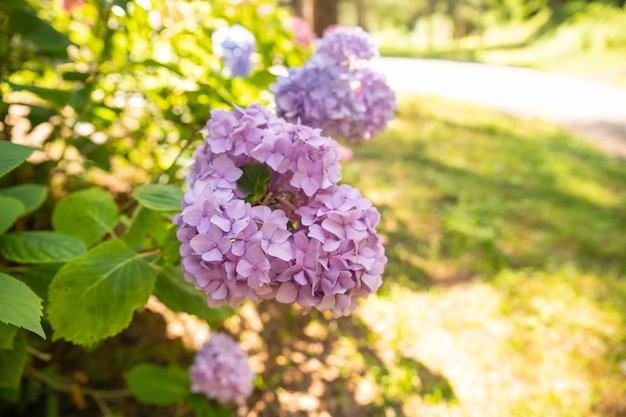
(234, 45)
(221, 371)
(294, 236)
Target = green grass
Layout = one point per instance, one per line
(507, 258)
(587, 42)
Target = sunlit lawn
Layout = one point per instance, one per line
(505, 292)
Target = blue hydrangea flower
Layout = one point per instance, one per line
(234, 45)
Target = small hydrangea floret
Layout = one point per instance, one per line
(295, 236)
(234, 45)
(336, 90)
(221, 371)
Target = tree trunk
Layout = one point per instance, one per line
(320, 14)
(361, 13)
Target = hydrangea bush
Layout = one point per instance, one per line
(265, 217)
(336, 90)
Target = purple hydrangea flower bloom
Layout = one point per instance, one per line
(307, 240)
(335, 90)
(344, 44)
(234, 45)
(221, 371)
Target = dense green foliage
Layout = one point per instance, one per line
(107, 97)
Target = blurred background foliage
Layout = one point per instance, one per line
(573, 37)
(114, 87)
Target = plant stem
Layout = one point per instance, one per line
(46, 357)
(97, 395)
(183, 149)
(149, 252)
(269, 195)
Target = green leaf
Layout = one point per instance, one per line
(145, 226)
(7, 334)
(59, 98)
(12, 362)
(105, 113)
(159, 197)
(75, 76)
(157, 385)
(179, 295)
(40, 247)
(19, 305)
(10, 395)
(87, 214)
(32, 196)
(26, 22)
(11, 209)
(203, 407)
(12, 155)
(255, 180)
(170, 249)
(100, 156)
(38, 115)
(39, 277)
(78, 97)
(94, 296)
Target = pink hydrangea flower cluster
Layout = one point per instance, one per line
(303, 239)
(302, 33)
(336, 90)
(221, 371)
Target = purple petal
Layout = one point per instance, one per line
(287, 293)
(280, 250)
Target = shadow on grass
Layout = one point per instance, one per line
(334, 366)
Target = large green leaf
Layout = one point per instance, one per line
(145, 228)
(11, 209)
(157, 385)
(179, 295)
(87, 214)
(159, 197)
(12, 362)
(19, 305)
(25, 21)
(40, 247)
(94, 296)
(11, 155)
(7, 334)
(170, 249)
(32, 196)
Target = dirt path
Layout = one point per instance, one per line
(593, 110)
